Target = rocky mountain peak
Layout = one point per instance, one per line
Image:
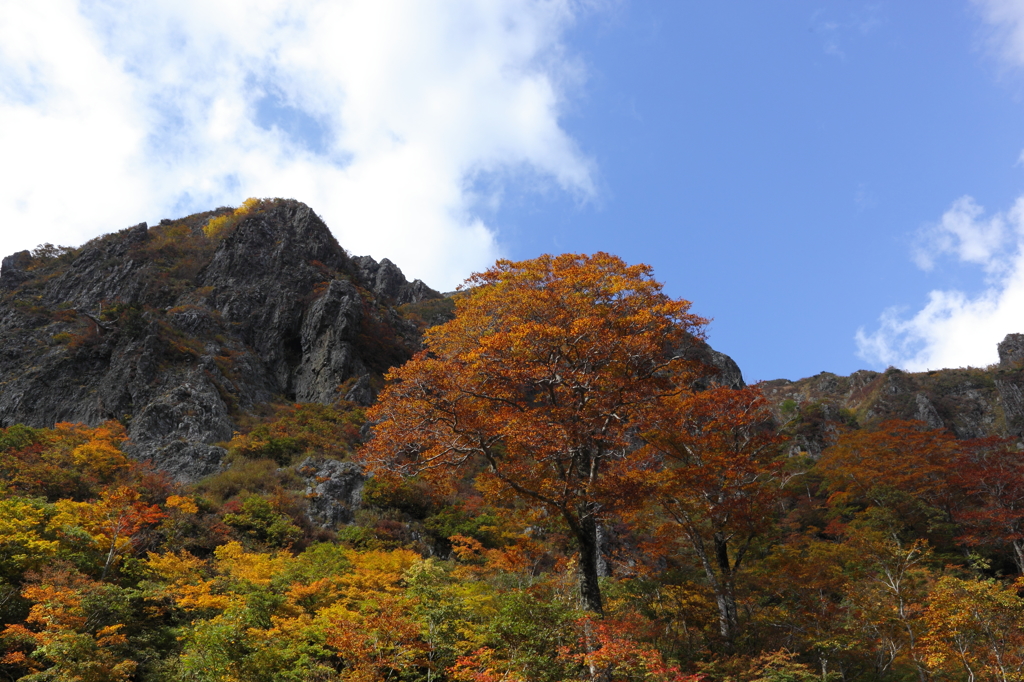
(179, 328)
(1011, 351)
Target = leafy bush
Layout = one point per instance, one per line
(304, 429)
(259, 522)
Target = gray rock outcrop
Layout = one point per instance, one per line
(334, 490)
(1011, 351)
(14, 269)
(969, 402)
(176, 334)
(387, 282)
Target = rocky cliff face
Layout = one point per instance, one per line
(176, 330)
(971, 403)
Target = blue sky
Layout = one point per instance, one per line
(776, 161)
(835, 183)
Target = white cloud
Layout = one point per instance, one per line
(954, 329)
(378, 114)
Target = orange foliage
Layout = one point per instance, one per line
(991, 473)
(717, 482)
(377, 642)
(899, 455)
(64, 636)
(114, 521)
(609, 649)
(70, 460)
(543, 373)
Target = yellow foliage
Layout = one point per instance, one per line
(249, 205)
(101, 456)
(377, 571)
(302, 598)
(109, 636)
(975, 626)
(185, 504)
(20, 539)
(200, 597)
(257, 568)
(97, 450)
(183, 574)
(178, 568)
(217, 227)
(59, 626)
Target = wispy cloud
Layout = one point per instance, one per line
(378, 114)
(834, 33)
(1005, 19)
(963, 232)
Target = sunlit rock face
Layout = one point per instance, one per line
(177, 333)
(970, 402)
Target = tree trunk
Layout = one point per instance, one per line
(719, 571)
(589, 564)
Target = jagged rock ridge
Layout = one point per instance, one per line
(970, 402)
(176, 333)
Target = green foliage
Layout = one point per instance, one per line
(69, 461)
(46, 254)
(529, 632)
(242, 479)
(129, 319)
(306, 429)
(317, 562)
(190, 602)
(450, 521)
(261, 523)
(19, 437)
(25, 541)
(410, 496)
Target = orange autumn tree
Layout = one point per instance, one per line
(112, 523)
(897, 476)
(991, 473)
(546, 368)
(715, 478)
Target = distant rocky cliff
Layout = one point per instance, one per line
(971, 402)
(176, 330)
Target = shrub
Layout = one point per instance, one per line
(219, 227)
(260, 522)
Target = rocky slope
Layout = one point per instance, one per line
(178, 329)
(971, 402)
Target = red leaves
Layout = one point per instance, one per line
(379, 642)
(611, 650)
(899, 455)
(716, 456)
(991, 474)
(720, 458)
(544, 375)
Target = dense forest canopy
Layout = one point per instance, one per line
(561, 492)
